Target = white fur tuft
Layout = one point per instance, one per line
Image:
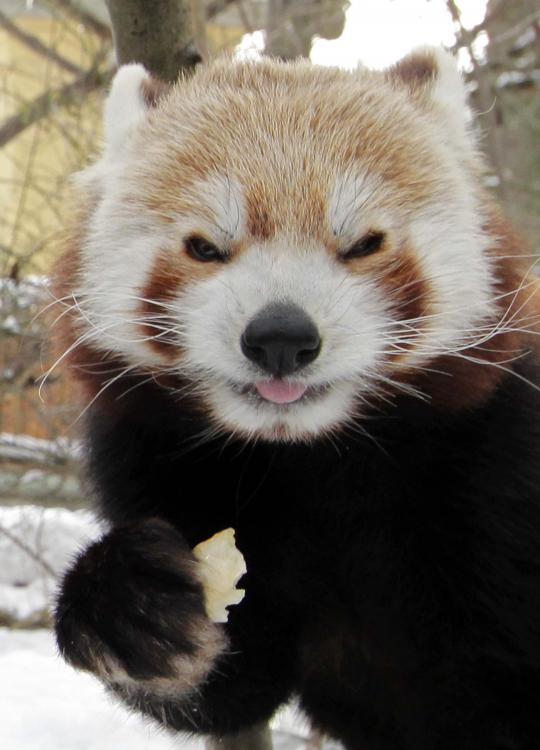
(449, 92)
(125, 106)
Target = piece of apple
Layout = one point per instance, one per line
(221, 565)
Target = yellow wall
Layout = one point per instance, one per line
(33, 171)
(34, 165)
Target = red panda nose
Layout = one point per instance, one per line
(281, 339)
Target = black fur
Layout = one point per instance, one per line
(393, 582)
(129, 591)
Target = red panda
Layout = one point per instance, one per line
(294, 309)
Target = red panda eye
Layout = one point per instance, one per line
(202, 250)
(369, 244)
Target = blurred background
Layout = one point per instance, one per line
(56, 60)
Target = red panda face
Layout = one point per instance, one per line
(294, 242)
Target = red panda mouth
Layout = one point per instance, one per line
(281, 393)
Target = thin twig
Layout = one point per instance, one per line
(37, 46)
(74, 11)
(43, 105)
(215, 7)
(518, 28)
(28, 550)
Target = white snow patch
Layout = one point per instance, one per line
(46, 705)
(36, 544)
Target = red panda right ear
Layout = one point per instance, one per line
(431, 77)
(133, 93)
(414, 71)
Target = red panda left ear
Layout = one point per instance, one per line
(431, 77)
(133, 93)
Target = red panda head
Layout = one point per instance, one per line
(294, 242)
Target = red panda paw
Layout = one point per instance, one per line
(131, 611)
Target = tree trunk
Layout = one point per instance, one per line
(257, 738)
(156, 33)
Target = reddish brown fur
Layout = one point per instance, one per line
(414, 70)
(165, 279)
(260, 224)
(286, 182)
(401, 278)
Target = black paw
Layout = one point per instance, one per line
(132, 609)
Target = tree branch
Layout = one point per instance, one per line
(36, 45)
(28, 550)
(43, 105)
(80, 15)
(215, 7)
(485, 99)
(518, 28)
(468, 36)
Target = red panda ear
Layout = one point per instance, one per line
(415, 71)
(133, 92)
(431, 77)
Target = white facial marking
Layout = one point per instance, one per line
(451, 248)
(110, 302)
(350, 203)
(345, 309)
(222, 207)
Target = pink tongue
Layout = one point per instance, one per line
(280, 392)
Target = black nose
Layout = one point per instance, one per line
(281, 340)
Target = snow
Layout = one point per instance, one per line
(46, 705)
(36, 544)
(25, 292)
(10, 324)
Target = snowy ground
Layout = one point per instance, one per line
(44, 704)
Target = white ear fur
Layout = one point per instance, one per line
(125, 107)
(433, 80)
(448, 90)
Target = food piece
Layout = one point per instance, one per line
(221, 565)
